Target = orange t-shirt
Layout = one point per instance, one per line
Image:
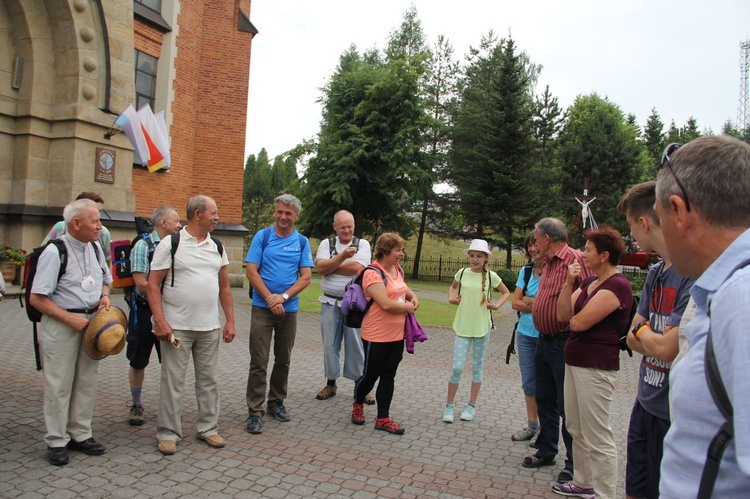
(378, 325)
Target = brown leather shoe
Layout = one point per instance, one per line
(369, 399)
(326, 393)
(167, 447)
(216, 441)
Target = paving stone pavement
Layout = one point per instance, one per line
(318, 454)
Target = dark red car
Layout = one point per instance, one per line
(639, 259)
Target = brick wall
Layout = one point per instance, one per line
(211, 74)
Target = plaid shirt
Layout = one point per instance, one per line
(554, 273)
(139, 257)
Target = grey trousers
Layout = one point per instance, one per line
(70, 380)
(204, 347)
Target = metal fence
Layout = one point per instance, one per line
(443, 269)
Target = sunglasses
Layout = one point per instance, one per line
(669, 150)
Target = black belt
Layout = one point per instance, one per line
(334, 297)
(87, 311)
(555, 336)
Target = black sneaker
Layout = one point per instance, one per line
(279, 412)
(88, 446)
(136, 415)
(254, 425)
(57, 456)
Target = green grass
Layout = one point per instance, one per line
(430, 313)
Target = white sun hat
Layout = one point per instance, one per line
(479, 245)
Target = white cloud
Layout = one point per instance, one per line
(680, 57)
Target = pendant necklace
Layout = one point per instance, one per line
(87, 283)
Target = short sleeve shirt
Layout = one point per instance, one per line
(599, 346)
(378, 325)
(525, 322)
(663, 300)
(472, 318)
(192, 304)
(279, 263)
(333, 285)
(139, 257)
(84, 259)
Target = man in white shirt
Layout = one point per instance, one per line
(337, 263)
(182, 289)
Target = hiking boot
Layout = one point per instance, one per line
(572, 490)
(278, 411)
(254, 425)
(448, 414)
(136, 415)
(88, 446)
(358, 414)
(326, 392)
(57, 456)
(523, 435)
(389, 425)
(468, 413)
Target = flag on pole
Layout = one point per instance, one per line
(131, 126)
(158, 144)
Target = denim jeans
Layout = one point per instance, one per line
(334, 332)
(549, 360)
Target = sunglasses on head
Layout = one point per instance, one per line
(669, 150)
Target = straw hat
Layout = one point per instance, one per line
(479, 245)
(105, 334)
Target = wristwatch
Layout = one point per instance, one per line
(285, 296)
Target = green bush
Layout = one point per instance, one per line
(509, 278)
(636, 282)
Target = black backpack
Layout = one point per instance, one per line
(29, 273)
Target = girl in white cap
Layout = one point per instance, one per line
(471, 290)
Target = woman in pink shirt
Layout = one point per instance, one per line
(383, 330)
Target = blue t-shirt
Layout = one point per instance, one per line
(663, 300)
(526, 323)
(279, 264)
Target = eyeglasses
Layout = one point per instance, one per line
(670, 149)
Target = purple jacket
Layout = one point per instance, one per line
(413, 332)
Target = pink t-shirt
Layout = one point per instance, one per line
(378, 325)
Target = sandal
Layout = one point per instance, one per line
(537, 461)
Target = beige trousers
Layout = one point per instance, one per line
(588, 397)
(204, 347)
(70, 381)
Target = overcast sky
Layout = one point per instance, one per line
(680, 57)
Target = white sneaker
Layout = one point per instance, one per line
(468, 413)
(448, 414)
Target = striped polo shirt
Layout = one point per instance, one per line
(554, 273)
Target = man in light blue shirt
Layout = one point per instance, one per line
(279, 264)
(703, 202)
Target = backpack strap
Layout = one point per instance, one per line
(332, 245)
(460, 278)
(175, 240)
(382, 276)
(528, 269)
(725, 434)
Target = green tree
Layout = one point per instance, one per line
(492, 146)
(729, 128)
(689, 131)
(258, 193)
(440, 94)
(597, 146)
(548, 121)
(368, 155)
(653, 139)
